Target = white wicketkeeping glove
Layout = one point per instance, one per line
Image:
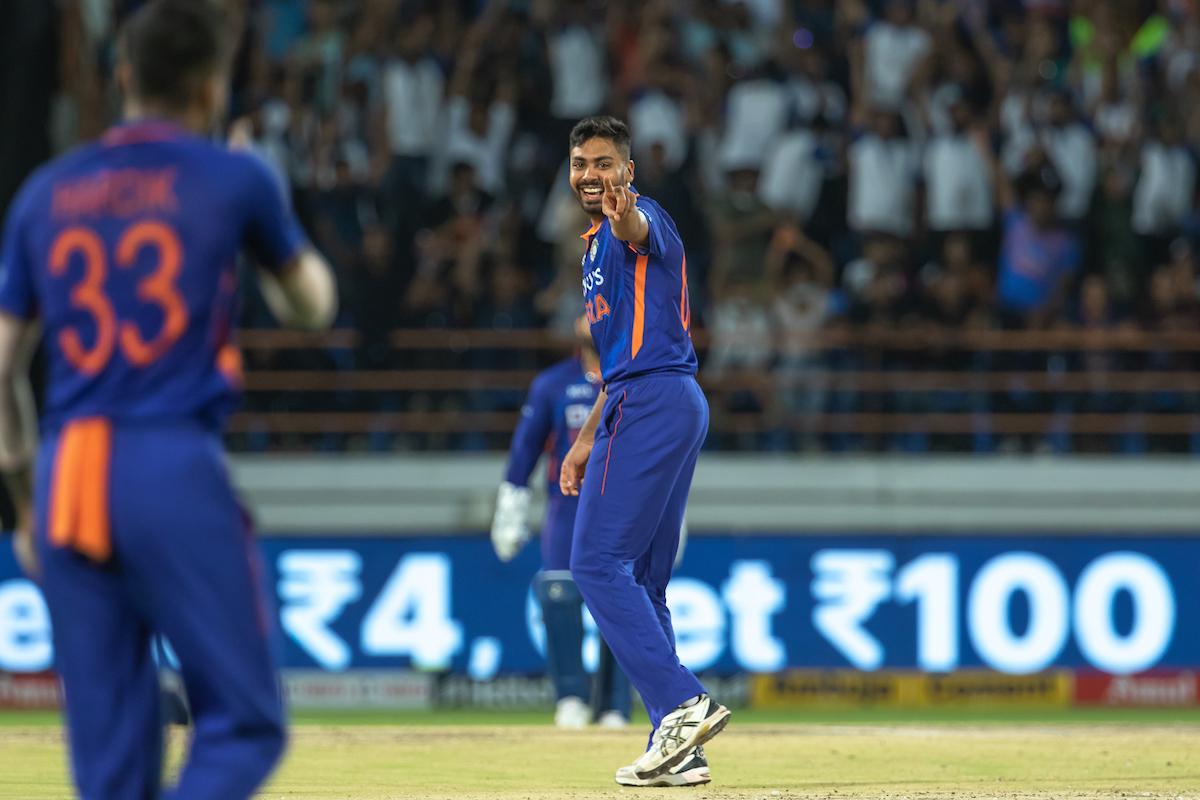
(510, 525)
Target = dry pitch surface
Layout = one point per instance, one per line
(757, 757)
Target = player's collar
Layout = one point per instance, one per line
(144, 130)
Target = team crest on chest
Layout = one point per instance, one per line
(595, 247)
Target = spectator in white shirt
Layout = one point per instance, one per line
(657, 118)
(1071, 148)
(756, 112)
(792, 175)
(883, 179)
(576, 53)
(814, 95)
(801, 307)
(480, 116)
(1166, 186)
(412, 90)
(958, 187)
(478, 132)
(1114, 112)
(894, 50)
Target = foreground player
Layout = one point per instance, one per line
(126, 250)
(558, 404)
(639, 445)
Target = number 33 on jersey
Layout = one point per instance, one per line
(127, 250)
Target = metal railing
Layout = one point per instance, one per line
(848, 389)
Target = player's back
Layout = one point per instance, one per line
(127, 251)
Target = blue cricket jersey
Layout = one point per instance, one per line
(126, 249)
(559, 401)
(637, 299)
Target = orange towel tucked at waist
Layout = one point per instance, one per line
(79, 514)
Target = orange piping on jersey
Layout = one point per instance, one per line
(608, 454)
(685, 308)
(587, 234)
(79, 509)
(639, 305)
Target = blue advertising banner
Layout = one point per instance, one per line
(1015, 604)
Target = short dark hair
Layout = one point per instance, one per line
(172, 47)
(601, 127)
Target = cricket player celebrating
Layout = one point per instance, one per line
(638, 448)
(559, 402)
(125, 251)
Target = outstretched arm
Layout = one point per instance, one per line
(1005, 194)
(627, 223)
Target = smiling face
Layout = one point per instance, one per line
(592, 162)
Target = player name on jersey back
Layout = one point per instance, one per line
(117, 193)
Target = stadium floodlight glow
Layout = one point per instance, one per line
(1153, 612)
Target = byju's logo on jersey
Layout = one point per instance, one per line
(591, 280)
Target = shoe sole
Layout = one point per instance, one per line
(709, 727)
(693, 777)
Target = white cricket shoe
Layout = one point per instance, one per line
(679, 732)
(613, 720)
(692, 771)
(572, 714)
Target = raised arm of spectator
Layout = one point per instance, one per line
(851, 18)
(998, 67)
(790, 239)
(1006, 197)
(859, 95)
(470, 53)
(938, 19)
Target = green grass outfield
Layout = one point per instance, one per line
(923, 754)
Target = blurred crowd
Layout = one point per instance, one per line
(933, 165)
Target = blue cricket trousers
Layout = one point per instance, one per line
(631, 507)
(558, 530)
(181, 563)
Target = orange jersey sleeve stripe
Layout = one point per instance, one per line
(79, 512)
(639, 304)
